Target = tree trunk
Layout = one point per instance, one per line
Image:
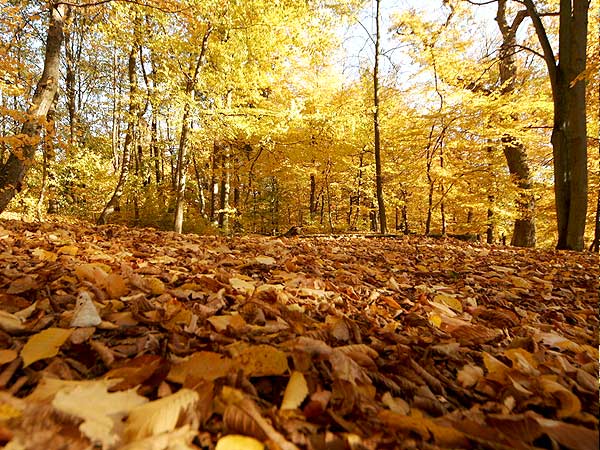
(225, 189)
(181, 171)
(312, 207)
(524, 228)
(377, 144)
(569, 143)
(201, 185)
(595, 245)
(14, 170)
(514, 151)
(70, 90)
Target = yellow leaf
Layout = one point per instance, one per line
(8, 412)
(522, 360)
(44, 255)
(115, 286)
(435, 320)
(295, 391)
(266, 260)
(262, 361)
(43, 345)
(94, 272)
(519, 282)
(221, 323)
(450, 301)
(497, 370)
(68, 250)
(154, 285)
(238, 442)
(242, 286)
(159, 416)
(207, 365)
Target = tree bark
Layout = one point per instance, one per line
(595, 245)
(514, 151)
(16, 167)
(569, 143)
(225, 188)
(377, 144)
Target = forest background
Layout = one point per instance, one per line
(255, 116)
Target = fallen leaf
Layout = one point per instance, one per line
(262, 360)
(469, 375)
(295, 391)
(21, 285)
(7, 356)
(159, 416)
(101, 421)
(85, 313)
(203, 365)
(238, 442)
(44, 345)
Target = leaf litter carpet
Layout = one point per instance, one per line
(118, 338)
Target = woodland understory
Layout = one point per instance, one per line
(252, 119)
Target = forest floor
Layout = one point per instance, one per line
(138, 339)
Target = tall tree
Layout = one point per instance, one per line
(14, 170)
(376, 130)
(569, 141)
(514, 150)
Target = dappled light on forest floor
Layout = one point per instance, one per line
(138, 339)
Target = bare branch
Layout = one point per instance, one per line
(489, 2)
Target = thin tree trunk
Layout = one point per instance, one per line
(48, 157)
(225, 189)
(201, 185)
(181, 171)
(595, 245)
(116, 107)
(378, 168)
(312, 207)
(214, 187)
(16, 167)
(70, 89)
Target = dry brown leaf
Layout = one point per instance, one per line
(21, 285)
(569, 402)
(11, 323)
